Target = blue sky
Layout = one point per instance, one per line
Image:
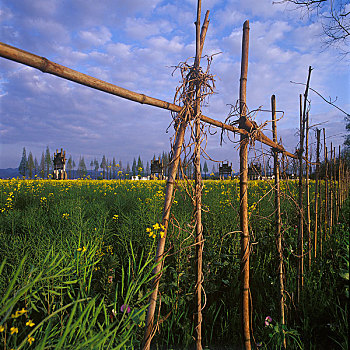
(135, 44)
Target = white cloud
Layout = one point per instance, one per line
(96, 36)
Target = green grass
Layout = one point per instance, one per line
(74, 251)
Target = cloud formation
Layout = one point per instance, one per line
(136, 44)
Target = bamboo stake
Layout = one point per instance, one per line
(308, 219)
(243, 154)
(198, 187)
(46, 66)
(301, 213)
(179, 139)
(325, 182)
(276, 167)
(317, 185)
(331, 191)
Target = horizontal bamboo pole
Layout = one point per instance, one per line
(46, 66)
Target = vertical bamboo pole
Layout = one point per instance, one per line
(198, 188)
(307, 183)
(243, 155)
(331, 192)
(174, 164)
(326, 216)
(276, 167)
(161, 242)
(300, 202)
(317, 188)
(339, 184)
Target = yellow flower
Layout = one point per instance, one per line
(13, 330)
(151, 233)
(30, 339)
(79, 249)
(65, 216)
(30, 323)
(156, 226)
(2, 328)
(148, 229)
(162, 234)
(84, 249)
(23, 311)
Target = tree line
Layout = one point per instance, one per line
(30, 167)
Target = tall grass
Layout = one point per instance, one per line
(75, 252)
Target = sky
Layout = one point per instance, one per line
(136, 44)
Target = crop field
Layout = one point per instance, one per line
(77, 259)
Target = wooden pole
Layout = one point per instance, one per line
(307, 183)
(301, 213)
(326, 216)
(276, 167)
(317, 188)
(46, 66)
(331, 191)
(198, 187)
(174, 164)
(243, 154)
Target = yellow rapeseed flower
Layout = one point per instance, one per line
(156, 226)
(2, 328)
(79, 249)
(30, 323)
(13, 330)
(30, 339)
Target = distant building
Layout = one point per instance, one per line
(59, 165)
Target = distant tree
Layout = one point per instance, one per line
(92, 165)
(30, 165)
(36, 166)
(134, 167)
(82, 167)
(147, 169)
(213, 170)
(127, 170)
(42, 166)
(97, 166)
(205, 169)
(139, 166)
(48, 161)
(114, 168)
(22, 168)
(103, 166)
(70, 166)
(120, 165)
(73, 166)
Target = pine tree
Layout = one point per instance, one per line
(205, 169)
(70, 166)
(82, 167)
(30, 165)
(42, 166)
(134, 167)
(147, 169)
(36, 166)
(103, 165)
(127, 170)
(114, 168)
(73, 166)
(23, 164)
(97, 166)
(139, 166)
(48, 161)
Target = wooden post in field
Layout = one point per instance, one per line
(300, 203)
(174, 164)
(243, 182)
(331, 191)
(339, 186)
(326, 216)
(198, 188)
(307, 183)
(317, 188)
(276, 167)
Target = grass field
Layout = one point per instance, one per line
(77, 258)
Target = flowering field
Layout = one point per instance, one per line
(77, 258)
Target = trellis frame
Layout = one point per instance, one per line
(246, 127)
